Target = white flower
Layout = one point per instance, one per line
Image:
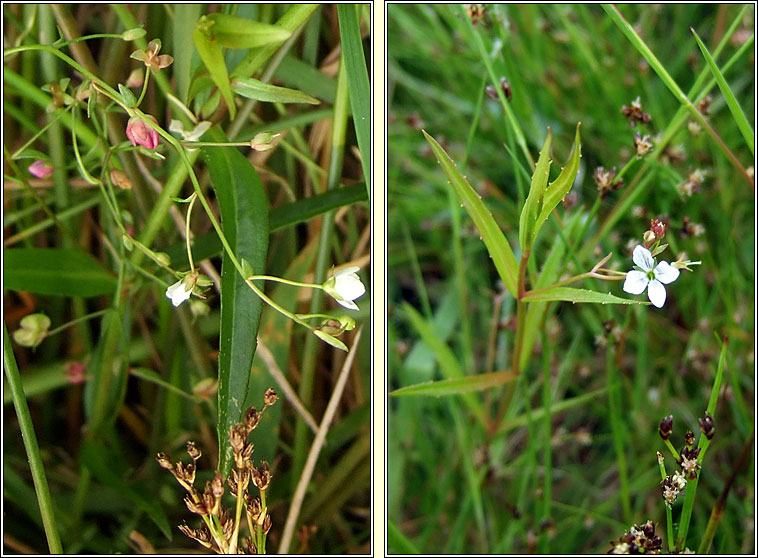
(344, 287)
(182, 289)
(649, 276)
(194, 134)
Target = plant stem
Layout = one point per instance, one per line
(30, 444)
(148, 71)
(669, 520)
(285, 281)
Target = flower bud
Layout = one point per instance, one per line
(666, 426)
(40, 168)
(706, 425)
(263, 141)
(32, 331)
(133, 34)
(120, 179)
(139, 133)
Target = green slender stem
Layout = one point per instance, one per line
(237, 516)
(703, 443)
(671, 448)
(286, 281)
(107, 89)
(34, 194)
(42, 131)
(30, 444)
(148, 71)
(76, 321)
(187, 236)
(194, 144)
(261, 534)
(669, 520)
(87, 38)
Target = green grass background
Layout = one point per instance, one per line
(450, 489)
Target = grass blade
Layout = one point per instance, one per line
(30, 444)
(497, 245)
(357, 83)
(244, 218)
(456, 386)
(726, 91)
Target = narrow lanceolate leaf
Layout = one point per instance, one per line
(561, 186)
(238, 32)
(569, 294)
(731, 101)
(55, 271)
(458, 386)
(255, 89)
(494, 239)
(357, 82)
(211, 55)
(533, 205)
(244, 221)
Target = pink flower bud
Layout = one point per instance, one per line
(140, 133)
(41, 169)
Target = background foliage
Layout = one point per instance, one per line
(108, 493)
(454, 486)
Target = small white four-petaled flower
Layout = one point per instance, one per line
(649, 276)
(344, 287)
(182, 289)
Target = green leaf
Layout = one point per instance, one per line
(731, 101)
(237, 32)
(357, 83)
(185, 16)
(55, 271)
(126, 94)
(569, 294)
(211, 55)
(298, 74)
(255, 89)
(457, 386)
(244, 220)
(107, 467)
(561, 186)
(533, 205)
(294, 17)
(494, 239)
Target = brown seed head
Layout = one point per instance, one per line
(666, 427)
(270, 397)
(193, 451)
(634, 113)
(262, 476)
(196, 507)
(237, 437)
(252, 418)
(164, 461)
